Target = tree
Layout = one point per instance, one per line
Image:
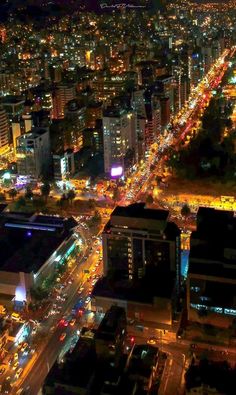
(63, 202)
(96, 219)
(185, 211)
(12, 193)
(2, 197)
(149, 199)
(116, 194)
(29, 193)
(45, 190)
(71, 195)
(38, 204)
(20, 202)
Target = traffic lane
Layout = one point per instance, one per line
(44, 362)
(39, 371)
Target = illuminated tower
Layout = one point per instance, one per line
(4, 131)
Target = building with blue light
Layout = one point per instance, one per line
(32, 248)
(211, 283)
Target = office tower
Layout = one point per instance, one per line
(164, 87)
(33, 153)
(120, 140)
(4, 131)
(75, 114)
(138, 102)
(14, 106)
(93, 138)
(63, 165)
(62, 94)
(137, 239)
(93, 113)
(153, 117)
(21, 125)
(211, 282)
(165, 111)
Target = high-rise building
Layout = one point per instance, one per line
(33, 153)
(153, 116)
(164, 87)
(60, 97)
(4, 131)
(21, 125)
(137, 239)
(211, 283)
(63, 165)
(120, 140)
(75, 114)
(14, 106)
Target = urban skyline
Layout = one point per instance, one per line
(117, 197)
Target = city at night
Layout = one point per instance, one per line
(118, 197)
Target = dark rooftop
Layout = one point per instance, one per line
(77, 371)
(142, 360)
(155, 284)
(34, 238)
(213, 243)
(110, 321)
(138, 210)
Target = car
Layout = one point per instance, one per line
(16, 356)
(19, 372)
(15, 365)
(11, 360)
(26, 352)
(87, 300)
(15, 316)
(62, 337)
(2, 370)
(152, 341)
(72, 322)
(24, 346)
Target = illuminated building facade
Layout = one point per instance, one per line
(41, 243)
(137, 238)
(33, 153)
(64, 165)
(119, 139)
(60, 97)
(4, 131)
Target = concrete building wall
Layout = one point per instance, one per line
(157, 314)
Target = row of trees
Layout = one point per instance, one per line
(211, 152)
(39, 202)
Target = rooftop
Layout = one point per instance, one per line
(110, 321)
(34, 237)
(142, 361)
(213, 243)
(78, 369)
(138, 210)
(149, 287)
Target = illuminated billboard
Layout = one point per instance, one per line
(116, 171)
